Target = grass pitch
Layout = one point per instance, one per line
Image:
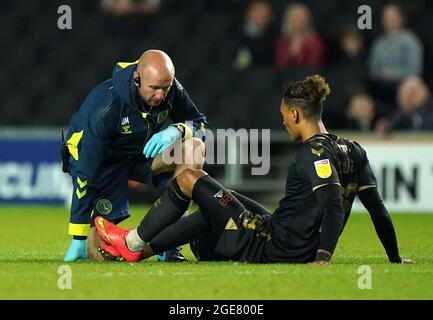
(34, 240)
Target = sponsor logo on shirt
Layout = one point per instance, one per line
(323, 168)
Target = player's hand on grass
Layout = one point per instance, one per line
(77, 251)
(160, 141)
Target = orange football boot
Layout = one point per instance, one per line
(116, 237)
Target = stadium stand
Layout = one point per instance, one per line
(57, 68)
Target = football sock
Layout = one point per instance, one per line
(179, 233)
(134, 242)
(165, 211)
(217, 204)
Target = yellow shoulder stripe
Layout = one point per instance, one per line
(123, 65)
(73, 144)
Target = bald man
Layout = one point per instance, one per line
(120, 133)
(415, 106)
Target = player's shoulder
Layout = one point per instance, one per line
(345, 147)
(337, 143)
(310, 152)
(353, 147)
(317, 146)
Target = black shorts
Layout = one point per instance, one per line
(246, 243)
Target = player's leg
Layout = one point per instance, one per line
(217, 204)
(166, 210)
(203, 247)
(251, 204)
(192, 229)
(170, 207)
(183, 231)
(242, 234)
(219, 210)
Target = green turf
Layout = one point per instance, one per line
(33, 241)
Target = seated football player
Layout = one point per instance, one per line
(322, 182)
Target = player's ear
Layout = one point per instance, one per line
(295, 115)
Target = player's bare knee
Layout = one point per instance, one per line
(187, 178)
(194, 151)
(198, 145)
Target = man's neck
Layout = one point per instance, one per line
(312, 129)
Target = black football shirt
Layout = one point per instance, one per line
(322, 160)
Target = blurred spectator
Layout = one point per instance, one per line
(361, 112)
(415, 108)
(352, 47)
(396, 54)
(257, 43)
(299, 45)
(130, 7)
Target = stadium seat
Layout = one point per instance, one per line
(56, 108)
(256, 80)
(217, 80)
(8, 27)
(264, 112)
(171, 27)
(215, 26)
(15, 106)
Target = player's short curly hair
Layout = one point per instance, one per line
(307, 94)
